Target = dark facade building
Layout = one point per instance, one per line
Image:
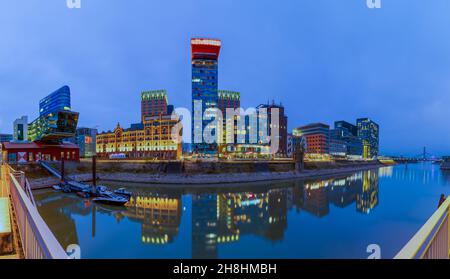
(344, 140)
(153, 103)
(368, 132)
(281, 126)
(338, 145)
(352, 129)
(205, 55)
(317, 137)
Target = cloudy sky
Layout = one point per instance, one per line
(325, 60)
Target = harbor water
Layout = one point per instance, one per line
(329, 218)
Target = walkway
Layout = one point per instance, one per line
(9, 245)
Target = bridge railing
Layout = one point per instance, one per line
(38, 242)
(432, 240)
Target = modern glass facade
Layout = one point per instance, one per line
(345, 135)
(54, 127)
(348, 126)
(55, 122)
(205, 55)
(56, 101)
(368, 132)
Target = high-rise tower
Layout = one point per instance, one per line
(205, 55)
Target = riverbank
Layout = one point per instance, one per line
(207, 179)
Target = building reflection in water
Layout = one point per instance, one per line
(159, 213)
(218, 217)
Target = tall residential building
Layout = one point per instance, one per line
(281, 126)
(6, 138)
(153, 103)
(368, 132)
(317, 137)
(20, 127)
(56, 101)
(205, 55)
(56, 121)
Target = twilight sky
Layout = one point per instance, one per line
(325, 60)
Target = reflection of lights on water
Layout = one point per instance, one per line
(184, 208)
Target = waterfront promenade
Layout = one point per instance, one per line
(242, 173)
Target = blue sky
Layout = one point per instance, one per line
(325, 60)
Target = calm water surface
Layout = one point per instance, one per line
(332, 218)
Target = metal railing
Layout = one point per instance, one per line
(432, 240)
(38, 242)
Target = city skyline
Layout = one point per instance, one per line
(344, 80)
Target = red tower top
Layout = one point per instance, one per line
(203, 48)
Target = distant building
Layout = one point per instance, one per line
(151, 140)
(22, 153)
(20, 127)
(56, 121)
(6, 138)
(317, 137)
(205, 56)
(86, 139)
(153, 103)
(368, 132)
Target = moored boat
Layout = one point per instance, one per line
(123, 192)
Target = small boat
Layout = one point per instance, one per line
(57, 187)
(123, 192)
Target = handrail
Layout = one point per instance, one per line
(38, 242)
(432, 239)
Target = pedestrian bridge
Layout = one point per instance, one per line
(32, 237)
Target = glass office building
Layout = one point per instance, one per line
(55, 122)
(54, 127)
(368, 132)
(56, 101)
(205, 55)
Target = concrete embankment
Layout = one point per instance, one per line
(199, 173)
